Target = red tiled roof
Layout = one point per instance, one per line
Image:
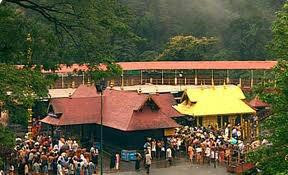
(75, 111)
(85, 91)
(257, 103)
(164, 101)
(120, 111)
(178, 65)
(146, 119)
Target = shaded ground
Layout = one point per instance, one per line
(159, 167)
(182, 169)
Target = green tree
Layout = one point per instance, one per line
(19, 88)
(7, 142)
(279, 44)
(246, 38)
(271, 159)
(187, 48)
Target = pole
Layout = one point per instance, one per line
(101, 135)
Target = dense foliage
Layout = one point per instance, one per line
(273, 159)
(280, 34)
(187, 48)
(242, 27)
(7, 141)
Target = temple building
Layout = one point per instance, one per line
(215, 105)
(128, 117)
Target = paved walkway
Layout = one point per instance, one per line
(183, 169)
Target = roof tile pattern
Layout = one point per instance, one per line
(257, 103)
(177, 65)
(121, 110)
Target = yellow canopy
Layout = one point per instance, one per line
(213, 100)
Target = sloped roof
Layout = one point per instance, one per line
(120, 110)
(164, 101)
(257, 103)
(146, 119)
(85, 91)
(213, 101)
(75, 111)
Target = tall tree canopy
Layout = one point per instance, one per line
(279, 45)
(242, 27)
(273, 159)
(187, 48)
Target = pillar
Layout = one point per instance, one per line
(151, 80)
(185, 81)
(242, 125)
(252, 78)
(162, 77)
(62, 81)
(83, 78)
(30, 123)
(122, 80)
(240, 82)
(197, 121)
(141, 77)
(196, 79)
(212, 77)
(175, 79)
(257, 129)
(264, 77)
(227, 77)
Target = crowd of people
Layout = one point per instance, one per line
(202, 145)
(44, 156)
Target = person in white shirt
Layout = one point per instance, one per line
(148, 161)
(207, 154)
(212, 157)
(169, 155)
(153, 148)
